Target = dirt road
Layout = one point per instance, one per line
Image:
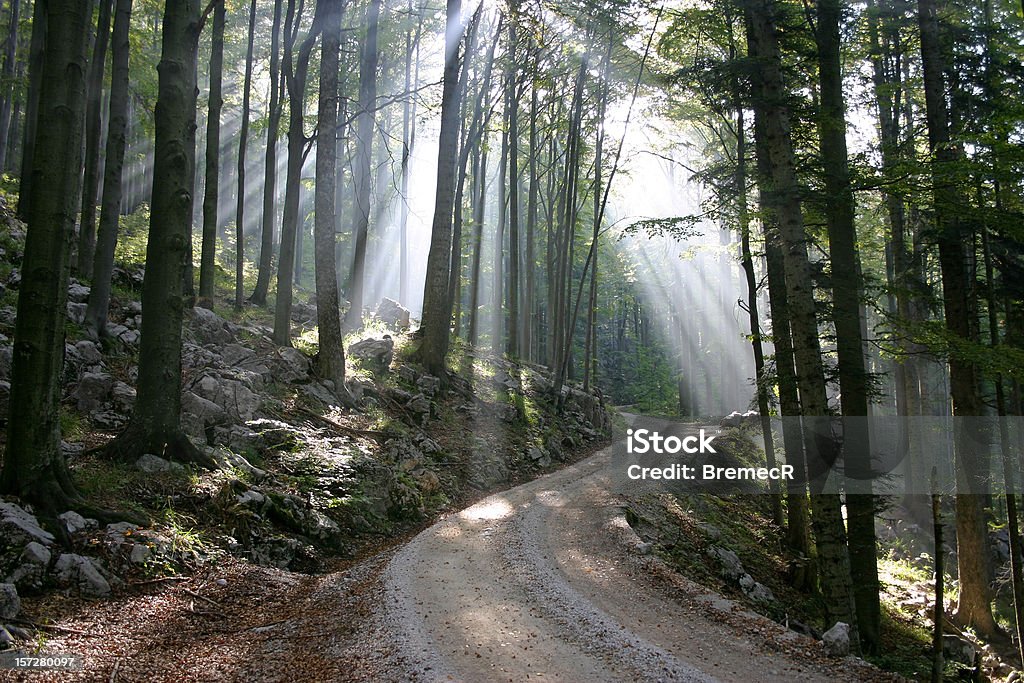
(546, 581)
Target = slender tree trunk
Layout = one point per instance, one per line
(90, 185)
(530, 305)
(479, 204)
(37, 49)
(155, 423)
(975, 604)
(408, 137)
(846, 298)
(243, 142)
(296, 69)
(33, 466)
(331, 357)
(10, 58)
(436, 312)
(259, 295)
(364, 159)
(826, 518)
(113, 173)
(514, 327)
(211, 198)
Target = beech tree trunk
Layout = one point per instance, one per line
(113, 174)
(363, 170)
(259, 294)
(436, 324)
(155, 423)
(33, 465)
(10, 59)
(37, 49)
(211, 195)
(243, 142)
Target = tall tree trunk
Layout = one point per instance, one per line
(37, 49)
(243, 142)
(331, 357)
(975, 605)
(530, 305)
(10, 58)
(514, 325)
(846, 297)
(113, 173)
(479, 204)
(33, 466)
(826, 518)
(295, 72)
(259, 295)
(408, 138)
(211, 199)
(90, 185)
(436, 312)
(362, 171)
(155, 424)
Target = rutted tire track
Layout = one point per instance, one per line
(544, 582)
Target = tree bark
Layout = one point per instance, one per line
(33, 466)
(436, 323)
(295, 72)
(155, 424)
(37, 49)
(975, 606)
(10, 58)
(331, 357)
(113, 173)
(211, 198)
(846, 300)
(243, 142)
(362, 171)
(266, 265)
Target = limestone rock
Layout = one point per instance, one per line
(10, 603)
(379, 351)
(93, 390)
(392, 313)
(837, 640)
(151, 464)
(81, 574)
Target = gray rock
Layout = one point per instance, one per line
(234, 354)
(757, 592)
(837, 640)
(139, 554)
(539, 456)
(123, 396)
(428, 384)
(10, 603)
(958, 649)
(200, 410)
(108, 420)
(731, 567)
(6, 356)
(5, 396)
(18, 527)
(209, 327)
(81, 574)
(73, 521)
(78, 293)
(229, 460)
(31, 570)
(231, 395)
(93, 390)
(419, 404)
(392, 313)
(76, 312)
(152, 464)
(379, 351)
(408, 373)
(292, 365)
(89, 352)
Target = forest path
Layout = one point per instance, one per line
(545, 582)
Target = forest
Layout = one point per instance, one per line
(283, 281)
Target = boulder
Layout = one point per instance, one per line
(123, 397)
(73, 521)
(837, 640)
(209, 327)
(231, 395)
(392, 313)
(151, 464)
(89, 352)
(731, 567)
(18, 527)
(428, 384)
(31, 570)
(93, 390)
(380, 351)
(81, 574)
(539, 456)
(958, 649)
(78, 293)
(76, 312)
(292, 365)
(10, 603)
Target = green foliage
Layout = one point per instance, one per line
(133, 236)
